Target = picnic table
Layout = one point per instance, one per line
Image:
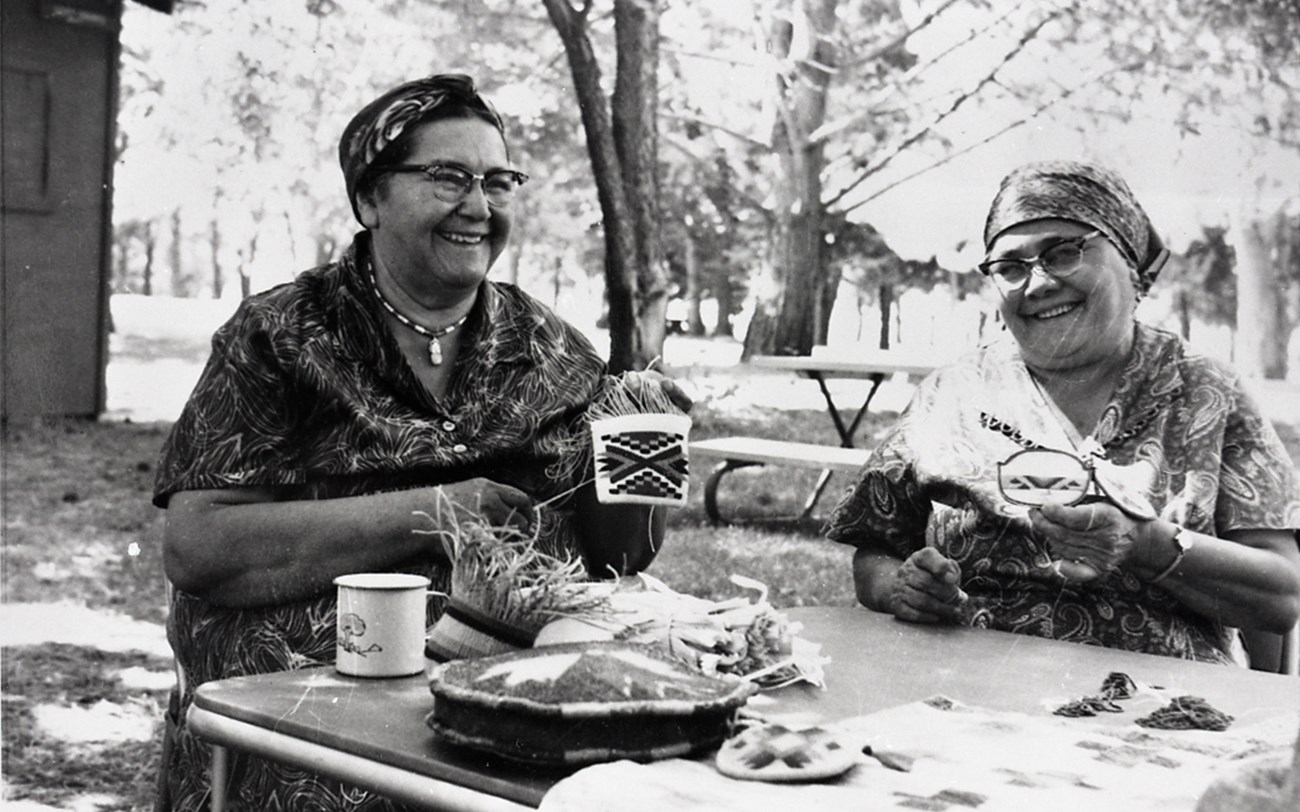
(371, 732)
(741, 452)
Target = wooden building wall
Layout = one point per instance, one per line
(59, 67)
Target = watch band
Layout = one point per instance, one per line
(1183, 542)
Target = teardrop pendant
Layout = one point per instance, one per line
(435, 352)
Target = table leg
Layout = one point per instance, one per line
(711, 488)
(822, 481)
(846, 432)
(220, 775)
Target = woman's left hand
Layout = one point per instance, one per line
(1089, 539)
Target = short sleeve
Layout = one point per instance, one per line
(237, 426)
(1257, 479)
(885, 506)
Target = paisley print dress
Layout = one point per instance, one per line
(306, 390)
(1211, 463)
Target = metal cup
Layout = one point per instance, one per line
(381, 624)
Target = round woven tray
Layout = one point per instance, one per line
(583, 703)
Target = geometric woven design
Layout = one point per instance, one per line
(644, 463)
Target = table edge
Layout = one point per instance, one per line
(403, 785)
(841, 367)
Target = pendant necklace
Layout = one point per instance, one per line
(435, 347)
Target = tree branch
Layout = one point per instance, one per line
(676, 144)
(722, 128)
(971, 147)
(707, 56)
(830, 130)
(880, 51)
(961, 99)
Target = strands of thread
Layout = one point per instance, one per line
(1187, 713)
(1117, 685)
(629, 393)
(545, 503)
(501, 573)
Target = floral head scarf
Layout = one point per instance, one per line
(1085, 193)
(381, 122)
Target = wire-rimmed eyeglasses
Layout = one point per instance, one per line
(1059, 260)
(451, 183)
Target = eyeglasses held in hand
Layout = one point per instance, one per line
(1058, 261)
(451, 184)
(1038, 476)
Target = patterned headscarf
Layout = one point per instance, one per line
(381, 122)
(1085, 193)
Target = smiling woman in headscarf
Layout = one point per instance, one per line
(336, 405)
(1087, 477)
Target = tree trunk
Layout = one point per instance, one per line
(121, 268)
(150, 245)
(636, 137)
(725, 293)
(1259, 350)
(694, 291)
(214, 246)
(245, 262)
(622, 147)
(557, 280)
(325, 247)
(859, 306)
(794, 314)
(177, 255)
(520, 235)
(886, 297)
(250, 258)
(826, 301)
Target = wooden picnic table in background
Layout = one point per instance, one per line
(741, 452)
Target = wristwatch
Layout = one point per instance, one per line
(1183, 541)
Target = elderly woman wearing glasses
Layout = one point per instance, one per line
(384, 383)
(1086, 478)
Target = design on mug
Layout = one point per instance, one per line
(353, 625)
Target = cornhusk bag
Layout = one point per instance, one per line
(637, 448)
(641, 459)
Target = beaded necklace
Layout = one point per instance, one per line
(435, 346)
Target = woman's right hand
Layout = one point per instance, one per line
(488, 501)
(925, 588)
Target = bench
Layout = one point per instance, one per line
(741, 452)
